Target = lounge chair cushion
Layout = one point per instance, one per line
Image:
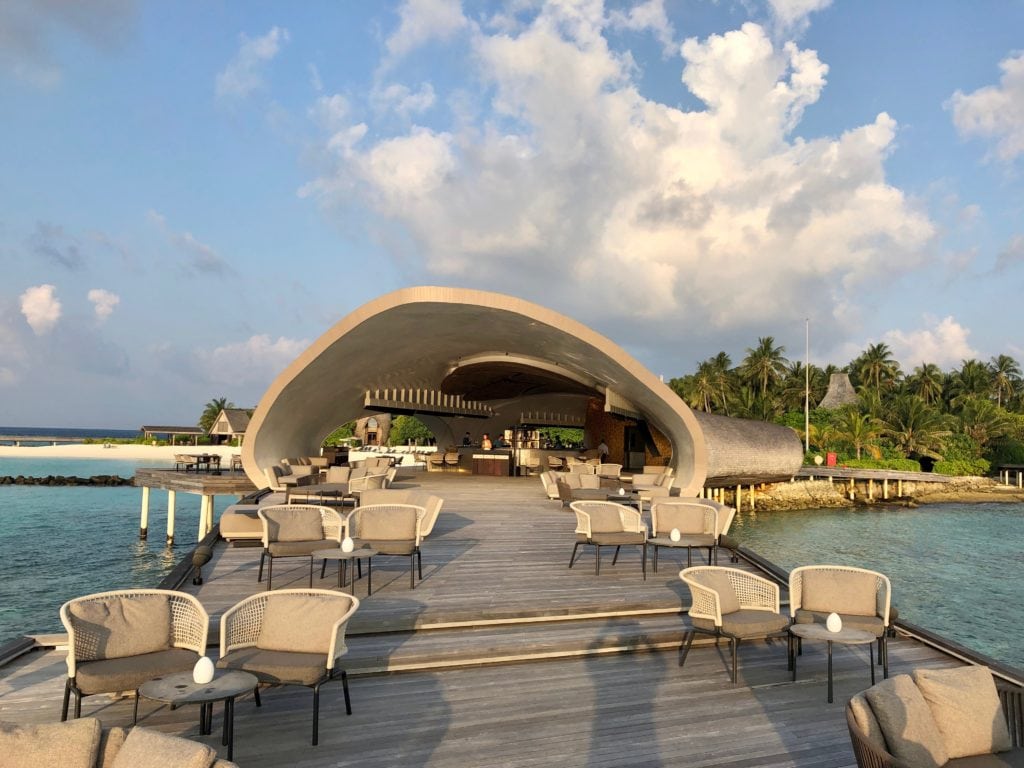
(278, 666)
(69, 745)
(299, 623)
(388, 546)
(129, 672)
(747, 622)
(728, 600)
(966, 708)
(839, 591)
(867, 721)
(911, 733)
(386, 523)
(298, 548)
(872, 624)
(146, 748)
(121, 626)
(616, 538)
(294, 525)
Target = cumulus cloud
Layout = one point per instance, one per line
(103, 302)
(29, 27)
(200, 257)
(402, 101)
(41, 308)
(421, 21)
(244, 73)
(257, 360)
(718, 217)
(995, 112)
(942, 342)
(647, 16)
(792, 16)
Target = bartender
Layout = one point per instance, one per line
(485, 442)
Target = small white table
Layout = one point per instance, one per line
(344, 558)
(180, 688)
(844, 636)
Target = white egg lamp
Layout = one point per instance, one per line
(834, 623)
(347, 545)
(675, 535)
(202, 672)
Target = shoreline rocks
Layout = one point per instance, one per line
(105, 481)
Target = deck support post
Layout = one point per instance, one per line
(144, 519)
(885, 488)
(739, 498)
(751, 497)
(871, 489)
(170, 522)
(852, 490)
(899, 488)
(204, 510)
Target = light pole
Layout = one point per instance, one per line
(807, 385)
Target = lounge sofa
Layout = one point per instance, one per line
(84, 743)
(953, 718)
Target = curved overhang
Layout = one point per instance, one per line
(496, 352)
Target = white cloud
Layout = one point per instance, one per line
(201, 258)
(791, 16)
(244, 73)
(421, 21)
(649, 15)
(995, 112)
(257, 360)
(41, 308)
(402, 101)
(639, 212)
(1011, 255)
(103, 302)
(942, 342)
(314, 78)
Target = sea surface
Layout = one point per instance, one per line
(64, 434)
(956, 569)
(62, 542)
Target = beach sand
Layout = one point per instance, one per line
(129, 451)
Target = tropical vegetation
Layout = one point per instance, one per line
(960, 421)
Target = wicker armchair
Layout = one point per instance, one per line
(289, 637)
(696, 522)
(391, 529)
(118, 640)
(862, 598)
(606, 523)
(871, 746)
(297, 530)
(730, 603)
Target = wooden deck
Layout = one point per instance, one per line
(509, 658)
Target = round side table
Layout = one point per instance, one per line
(843, 637)
(344, 558)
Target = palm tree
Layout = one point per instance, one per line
(212, 410)
(1005, 377)
(725, 383)
(877, 367)
(926, 382)
(983, 420)
(764, 364)
(974, 379)
(856, 428)
(702, 389)
(915, 427)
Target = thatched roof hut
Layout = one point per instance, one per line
(747, 451)
(840, 392)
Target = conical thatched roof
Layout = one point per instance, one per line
(840, 392)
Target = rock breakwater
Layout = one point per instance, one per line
(105, 481)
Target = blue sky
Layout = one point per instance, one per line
(193, 192)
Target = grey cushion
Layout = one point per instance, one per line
(297, 548)
(746, 623)
(293, 524)
(146, 748)
(388, 546)
(867, 721)
(906, 720)
(115, 627)
(128, 673)
(850, 592)
(728, 601)
(73, 744)
(966, 708)
(278, 666)
(617, 538)
(300, 623)
(872, 624)
(385, 522)
(1014, 759)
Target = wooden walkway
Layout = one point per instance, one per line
(496, 599)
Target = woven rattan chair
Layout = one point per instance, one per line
(696, 522)
(730, 603)
(451, 460)
(609, 470)
(862, 598)
(605, 523)
(391, 529)
(118, 640)
(297, 530)
(289, 637)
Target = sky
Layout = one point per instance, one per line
(194, 192)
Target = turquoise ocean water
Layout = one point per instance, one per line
(61, 542)
(955, 569)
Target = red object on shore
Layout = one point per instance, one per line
(830, 459)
